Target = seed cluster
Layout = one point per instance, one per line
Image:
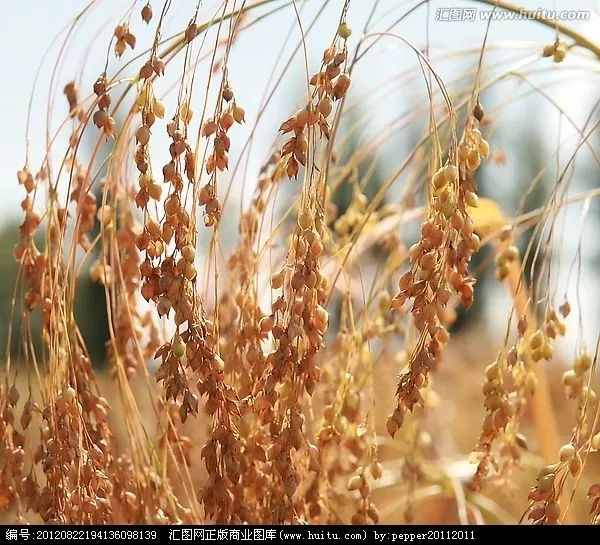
(504, 260)
(101, 117)
(227, 113)
(510, 381)
(440, 262)
(549, 486)
(25, 252)
(124, 37)
(330, 84)
(556, 50)
(574, 379)
(296, 326)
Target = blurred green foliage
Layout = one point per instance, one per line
(90, 306)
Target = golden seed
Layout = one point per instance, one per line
(158, 108)
(559, 54)
(190, 271)
(492, 372)
(536, 340)
(238, 114)
(302, 117)
(344, 31)
(566, 452)
(218, 363)
(69, 395)
(575, 465)
(512, 253)
(339, 424)
(185, 112)
(325, 106)
(451, 173)
(483, 148)
(189, 253)
(447, 209)
(582, 364)
(570, 378)
(178, 346)
(471, 199)
(548, 50)
(439, 179)
(376, 470)
(306, 219)
(473, 160)
(355, 482)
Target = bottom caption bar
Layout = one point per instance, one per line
(294, 534)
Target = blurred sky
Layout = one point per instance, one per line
(27, 28)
